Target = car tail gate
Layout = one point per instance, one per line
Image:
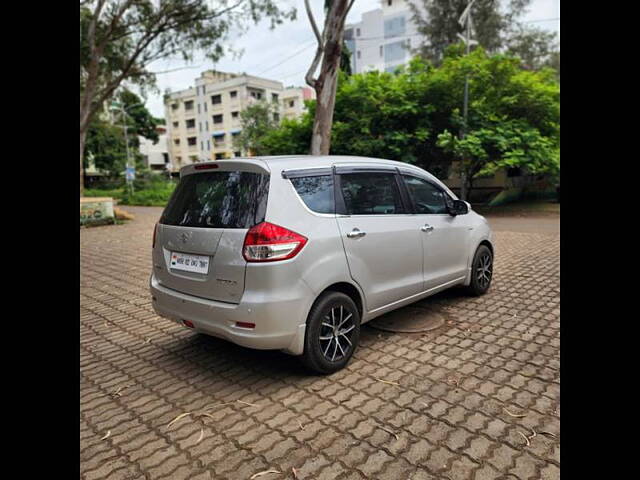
(200, 236)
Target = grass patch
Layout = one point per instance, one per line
(150, 194)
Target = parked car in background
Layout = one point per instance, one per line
(297, 252)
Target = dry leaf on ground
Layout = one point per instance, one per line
(266, 472)
(513, 414)
(386, 381)
(182, 415)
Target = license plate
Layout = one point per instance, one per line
(189, 263)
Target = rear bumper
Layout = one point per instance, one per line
(280, 325)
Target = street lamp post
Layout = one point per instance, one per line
(465, 21)
(123, 112)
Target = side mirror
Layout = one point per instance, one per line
(458, 207)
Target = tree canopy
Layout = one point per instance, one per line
(256, 121)
(105, 138)
(119, 39)
(415, 115)
(496, 27)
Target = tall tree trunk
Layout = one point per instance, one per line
(325, 103)
(330, 48)
(83, 138)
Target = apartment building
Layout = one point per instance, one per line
(293, 99)
(203, 121)
(156, 156)
(383, 39)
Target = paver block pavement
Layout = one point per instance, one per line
(496, 353)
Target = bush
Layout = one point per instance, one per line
(157, 196)
(99, 192)
(150, 191)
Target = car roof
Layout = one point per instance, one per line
(279, 163)
(283, 162)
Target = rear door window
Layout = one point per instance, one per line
(371, 193)
(218, 200)
(316, 192)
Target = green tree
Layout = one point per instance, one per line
(496, 29)
(535, 47)
(120, 38)
(256, 122)
(414, 116)
(514, 116)
(106, 141)
(138, 117)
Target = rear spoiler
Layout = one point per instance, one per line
(243, 165)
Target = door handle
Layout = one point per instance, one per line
(355, 233)
(426, 228)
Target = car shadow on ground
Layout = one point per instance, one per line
(278, 365)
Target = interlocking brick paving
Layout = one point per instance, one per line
(452, 416)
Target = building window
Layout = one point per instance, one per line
(193, 158)
(208, 145)
(394, 27)
(274, 97)
(165, 157)
(201, 145)
(188, 105)
(198, 108)
(191, 141)
(199, 126)
(255, 94)
(191, 123)
(276, 117)
(205, 106)
(216, 99)
(233, 93)
(389, 2)
(357, 32)
(217, 119)
(381, 50)
(219, 156)
(174, 106)
(358, 55)
(176, 141)
(204, 89)
(237, 154)
(206, 125)
(235, 114)
(292, 103)
(175, 124)
(218, 140)
(394, 51)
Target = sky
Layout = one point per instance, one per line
(285, 53)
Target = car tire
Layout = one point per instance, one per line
(481, 271)
(328, 348)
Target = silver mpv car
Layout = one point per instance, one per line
(296, 252)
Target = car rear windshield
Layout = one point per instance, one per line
(218, 200)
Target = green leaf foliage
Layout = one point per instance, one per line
(415, 116)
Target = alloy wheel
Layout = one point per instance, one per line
(484, 270)
(336, 333)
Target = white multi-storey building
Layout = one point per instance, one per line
(383, 39)
(156, 156)
(203, 121)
